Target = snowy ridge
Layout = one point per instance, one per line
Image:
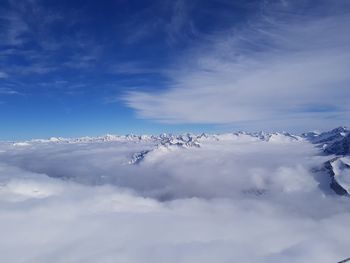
(335, 142)
(87, 139)
(185, 140)
(339, 170)
(167, 142)
(328, 137)
(164, 142)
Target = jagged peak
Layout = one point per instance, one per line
(314, 137)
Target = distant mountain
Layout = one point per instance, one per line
(335, 143)
(328, 137)
(339, 147)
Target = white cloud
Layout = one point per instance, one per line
(15, 28)
(3, 75)
(271, 70)
(111, 210)
(8, 91)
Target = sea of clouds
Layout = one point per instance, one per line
(239, 199)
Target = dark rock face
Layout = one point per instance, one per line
(345, 260)
(341, 147)
(138, 157)
(167, 141)
(337, 188)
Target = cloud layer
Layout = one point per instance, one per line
(237, 199)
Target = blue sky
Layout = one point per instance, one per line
(73, 68)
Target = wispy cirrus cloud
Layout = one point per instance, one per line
(13, 29)
(285, 64)
(180, 24)
(8, 91)
(29, 43)
(3, 75)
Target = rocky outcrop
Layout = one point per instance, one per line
(340, 147)
(339, 172)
